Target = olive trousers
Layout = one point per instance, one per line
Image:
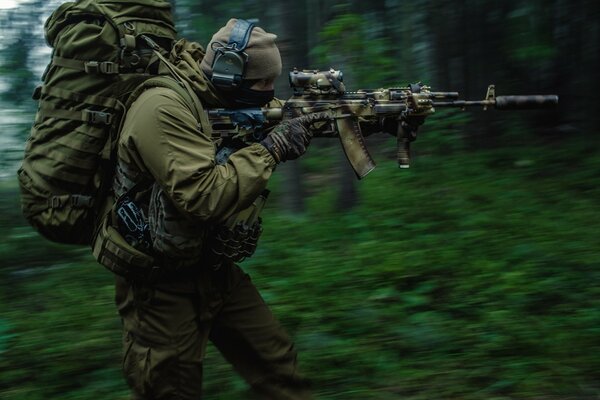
(167, 326)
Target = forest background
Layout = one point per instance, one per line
(473, 275)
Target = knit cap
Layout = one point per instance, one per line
(264, 61)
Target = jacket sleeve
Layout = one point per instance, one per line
(181, 157)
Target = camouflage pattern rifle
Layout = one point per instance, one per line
(316, 91)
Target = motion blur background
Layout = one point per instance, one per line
(473, 275)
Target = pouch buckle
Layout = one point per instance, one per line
(97, 117)
(101, 67)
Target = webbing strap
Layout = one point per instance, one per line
(47, 111)
(60, 201)
(69, 178)
(197, 108)
(87, 66)
(94, 100)
(68, 63)
(64, 155)
(73, 200)
(87, 116)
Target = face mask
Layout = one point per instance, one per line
(246, 97)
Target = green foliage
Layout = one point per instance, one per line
(465, 278)
(443, 132)
(472, 275)
(347, 41)
(200, 20)
(14, 58)
(20, 245)
(17, 42)
(528, 34)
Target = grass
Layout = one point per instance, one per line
(473, 275)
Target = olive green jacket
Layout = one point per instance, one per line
(166, 161)
(160, 137)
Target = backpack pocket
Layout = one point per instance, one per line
(57, 217)
(113, 252)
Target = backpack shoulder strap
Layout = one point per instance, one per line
(166, 81)
(182, 89)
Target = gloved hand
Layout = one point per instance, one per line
(289, 139)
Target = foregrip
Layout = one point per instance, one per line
(525, 102)
(403, 152)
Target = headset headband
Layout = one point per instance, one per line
(230, 61)
(240, 35)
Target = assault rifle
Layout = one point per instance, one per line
(316, 91)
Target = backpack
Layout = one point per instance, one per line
(102, 51)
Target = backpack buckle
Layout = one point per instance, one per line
(104, 67)
(81, 201)
(55, 202)
(128, 42)
(97, 117)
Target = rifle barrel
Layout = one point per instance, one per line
(464, 103)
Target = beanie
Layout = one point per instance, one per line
(264, 61)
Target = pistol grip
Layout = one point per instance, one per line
(354, 146)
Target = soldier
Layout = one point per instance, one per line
(166, 162)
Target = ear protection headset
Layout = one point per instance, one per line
(229, 64)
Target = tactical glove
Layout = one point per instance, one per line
(289, 139)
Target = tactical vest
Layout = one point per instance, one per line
(176, 243)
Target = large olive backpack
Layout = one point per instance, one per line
(102, 51)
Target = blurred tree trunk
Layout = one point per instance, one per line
(314, 23)
(590, 42)
(469, 24)
(577, 31)
(287, 22)
(347, 195)
(442, 19)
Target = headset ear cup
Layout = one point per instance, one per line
(228, 68)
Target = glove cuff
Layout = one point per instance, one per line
(272, 148)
